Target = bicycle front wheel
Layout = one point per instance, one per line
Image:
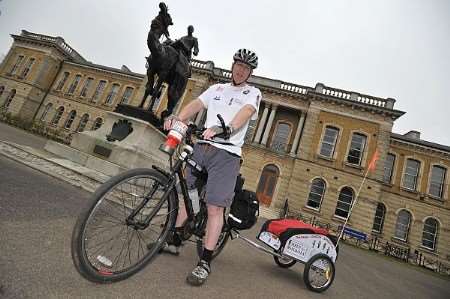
(124, 227)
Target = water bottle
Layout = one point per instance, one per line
(193, 195)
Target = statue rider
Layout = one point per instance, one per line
(188, 43)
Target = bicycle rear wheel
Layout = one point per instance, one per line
(106, 247)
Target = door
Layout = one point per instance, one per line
(267, 184)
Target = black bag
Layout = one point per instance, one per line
(244, 210)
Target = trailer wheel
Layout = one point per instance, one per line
(284, 262)
(319, 273)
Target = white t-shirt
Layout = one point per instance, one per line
(227, 100)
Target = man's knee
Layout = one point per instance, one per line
(214, 211)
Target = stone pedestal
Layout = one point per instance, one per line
(92, 149)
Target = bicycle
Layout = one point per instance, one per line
(140, 207)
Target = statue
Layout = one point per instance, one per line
(187, 43)
(170, 64)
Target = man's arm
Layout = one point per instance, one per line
(186, 113)
(241, 118)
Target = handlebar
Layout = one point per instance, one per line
(198, 132)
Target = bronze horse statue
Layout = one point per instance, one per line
(166, 62)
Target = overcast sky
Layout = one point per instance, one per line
(384, 48)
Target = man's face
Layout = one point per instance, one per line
(240, 72)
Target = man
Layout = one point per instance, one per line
(238, 103)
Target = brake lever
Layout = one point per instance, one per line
(222, 122)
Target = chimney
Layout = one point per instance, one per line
(413, 135)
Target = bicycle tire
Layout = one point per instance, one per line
(101, 274)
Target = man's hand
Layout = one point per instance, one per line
(168, 123)
(210, 133)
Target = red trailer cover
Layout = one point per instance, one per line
(277, 227)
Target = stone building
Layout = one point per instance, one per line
(311, 145)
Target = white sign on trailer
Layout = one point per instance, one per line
(304, 246)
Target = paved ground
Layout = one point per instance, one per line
(37, 213)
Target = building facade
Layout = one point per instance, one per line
(310, 145)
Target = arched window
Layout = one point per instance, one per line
(47, 108)
(2, 88)
(70, 119)
(97, 123)
(57, 115)
(11, 96)
(267, 184)
(316, 194)
(83, 121)
(430, 232)
(280, 138)
(402, 225)
(344, 202)
(378, 220)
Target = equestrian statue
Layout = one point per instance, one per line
(168, 61)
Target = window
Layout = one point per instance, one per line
(329, 142)
(378, 221)
(402, 225)
(62, 81)
(47, 108)
(70, 119)
(411, 174)
(2, 89)
(316, 194)
(267, 184)
(98, 91)
(344, 202)
(280, 138)
(429, 235)
(126, 95)
(17, 64)
(112, 94)
(57, 115)
(356, 151)
(86, 86)
(74, 84)
(388, 168)
(437, 181)
(27, 68)
(9, 99)
(97, 123)
(83, 122)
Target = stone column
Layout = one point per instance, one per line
(269, 124)
(262, 123)
(297, 133)
(198, 119)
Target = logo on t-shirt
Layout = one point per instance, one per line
(246, 91)
(217, 98)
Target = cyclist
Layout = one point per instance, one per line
(238, 103)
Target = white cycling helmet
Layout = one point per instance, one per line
(247, 57)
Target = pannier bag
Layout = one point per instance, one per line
(244, 210)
